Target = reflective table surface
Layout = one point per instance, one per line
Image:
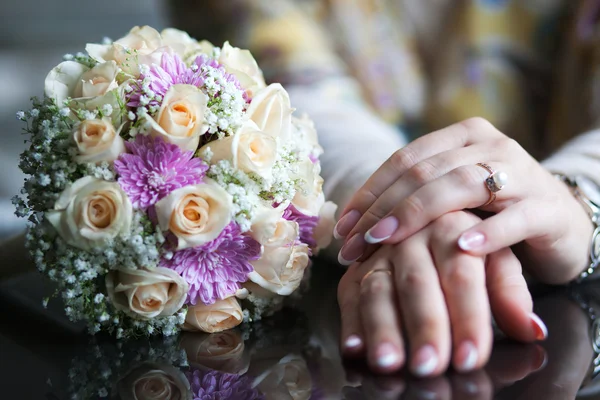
(293, 355)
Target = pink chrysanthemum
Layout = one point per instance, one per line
(154, 168)
(172, 71)
(216, 269)
(306, 224)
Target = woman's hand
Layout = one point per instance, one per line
(439, 296)
(437, 174)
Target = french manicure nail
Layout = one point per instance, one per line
(471, 240)
(345, 224)
(540, 329)
(352, 250)
(382, 230)
(425, 361)
(352, 342)
(541, 359)
(466, 357)
(387, 356)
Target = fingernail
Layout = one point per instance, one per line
(345, 224)
(471, 240)
(387, 356)
(466, 357)
(541, 359)
(425, 361)
(352, 342)
(382, 230)
(352, 250)
(540, 329)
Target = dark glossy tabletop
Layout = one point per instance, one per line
(293, 355)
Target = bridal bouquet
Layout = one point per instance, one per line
(169, 187)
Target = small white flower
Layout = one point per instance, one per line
(106, 40)
(107, 110)
(98, 298)
(21, 116)
(131, 115)
(34, 113)
(64, 112)
(103, 392)
(68, 57)
(44, 180)
(144, 69)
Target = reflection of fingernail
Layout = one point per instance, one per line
(382, 230)
(387, 356)
(345, 224)
(466, 357)
(352, 250)
(352, 342)
(540, 329)
(471, 240)
(541, 359)
(425, 361)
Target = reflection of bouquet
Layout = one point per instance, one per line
(167, 182)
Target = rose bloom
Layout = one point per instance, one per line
(269, 228)
(146, 294)
(281, 269)
(272, 112)
(79, 82)
(90, 212)
(249, 150)
(185, 46)
(309, 197)
(152, 381)
(195, 214)
(287, 379)
(142, 45)
(222, 351)
(97, 141)
(323, 233)
(180, 120)
(217, 317)
(306, 135)
(243, 66)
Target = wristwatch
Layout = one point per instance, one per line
(587, 192)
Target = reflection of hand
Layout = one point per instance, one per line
(437, 174)
(443, 301)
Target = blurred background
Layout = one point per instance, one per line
(34, 35)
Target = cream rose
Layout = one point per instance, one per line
(187, 47)
(280, 269)
(195, 214)
(97, 141)
(306, 135)
(74, 80)
(146, 294)
(152, 381)
(270, 109)
(309, 197)
(269, 228)
(249, 150)
(288, 379)
(223, 351)
(90, 212)
(180, 120)
(210, 318)
(243, 66)
(323, 233)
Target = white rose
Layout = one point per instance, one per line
(323, 232)
(280, 269)
(288, 379)
(97, 141)
(222, 351)
(187, 47)
(306, 135)
(71, 79)
(269, 228)
(180, 120)
(210, 318)
(195, 214)
(146, 294)
(249, 150)
(152, 381)
(90, 212)
(270, 109)
(309, 197)
(243, 66)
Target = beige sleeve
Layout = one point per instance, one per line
(580, 156)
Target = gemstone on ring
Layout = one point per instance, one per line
(496, 181)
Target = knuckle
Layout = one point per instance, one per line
(468, 176)
(427, 325)
(458, 278)
(374, 286)
(403, 159)
(477, 124)
(412, 280)
(423, 172)
(412, 205)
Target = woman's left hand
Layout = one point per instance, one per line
(438, 173)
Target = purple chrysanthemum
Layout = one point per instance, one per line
(216, 385)
(154, 168)
(172, 71)
(306, 224)
(215, 270)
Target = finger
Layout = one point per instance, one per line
(463, 282)
(512, 362)
(462, 188)
(510, 299)
(476, 385)
(435, 388)
(379, 316)
(422, 306)
(459, 135)
(352, 337)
